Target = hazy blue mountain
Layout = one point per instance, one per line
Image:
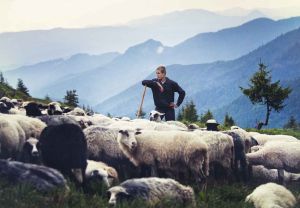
(247, 115)
(229, 43)
(213, 86)
(41, 74)
(98, 84)
(174, 27)
(29, 47)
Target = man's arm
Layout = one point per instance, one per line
(149, 83)
(181, 93)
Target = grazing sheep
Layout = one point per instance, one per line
(40, 177)
(12, 138)
(153, 191)
(242, 144)
(77, 112)
(54, 120)
(261, 173)
(271, 195)
(31, 151)
(54, 108)
(212, 125)
(155, 115)
(102, 145)
(4, 108)
(220, 150)
(264, 138)
(64, 148)
(96, 169)
(277, 155)
(166, 150)
(32, 109)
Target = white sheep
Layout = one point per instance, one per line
(12, 138)
(277, 155)
(77, 112)
(271, 195)
(165, 150)
(153, 191)
(259, 172)
(220, 149)
(102, 145)
(96, 169)
(264, 138)
(31, 126)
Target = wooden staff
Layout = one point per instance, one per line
(141, 105)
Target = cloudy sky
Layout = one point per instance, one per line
(18, 15)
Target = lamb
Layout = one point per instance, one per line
(96, 169)
(271, 195)
(12, 138)
(165, 150)
(40, 177)
(64, 148)
(102, 145)
(153, 191)
(277, 155)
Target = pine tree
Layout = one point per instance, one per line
(262, 91)
(228, 121)
(2, 80)
(291, 124)
(208, 115)
(71, 98)
(22, 88)
(190, 112)
(47, 98)
(180, 114)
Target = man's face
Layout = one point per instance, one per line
(160, 75)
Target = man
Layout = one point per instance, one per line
(163, 90)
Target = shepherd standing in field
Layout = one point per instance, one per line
(163, 90)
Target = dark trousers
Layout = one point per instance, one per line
(169, 113)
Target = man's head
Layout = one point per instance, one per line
(161, 72)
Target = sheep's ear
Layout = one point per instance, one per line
(161, 114)
(137, 133)
(121, 131)
(112, 172)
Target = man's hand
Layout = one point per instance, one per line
(161, 89)
(173, 105)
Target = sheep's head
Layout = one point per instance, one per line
(155, 115)
(31, 146)
(117, 193)
(127, 138)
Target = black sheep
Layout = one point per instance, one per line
(40, 177)
(64, 148)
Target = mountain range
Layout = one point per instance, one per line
(215, 86)
(109, 79)
(171, 28)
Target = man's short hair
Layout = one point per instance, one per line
(162, 69)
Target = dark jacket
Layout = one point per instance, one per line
(163, 99)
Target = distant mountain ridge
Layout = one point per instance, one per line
(216, 85)
(41, 45)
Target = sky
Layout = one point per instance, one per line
(21, 15)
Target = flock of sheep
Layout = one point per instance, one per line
(43, 144)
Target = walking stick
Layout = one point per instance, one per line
(141, 105)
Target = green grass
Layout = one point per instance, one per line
(291, 132)
(215, 196)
